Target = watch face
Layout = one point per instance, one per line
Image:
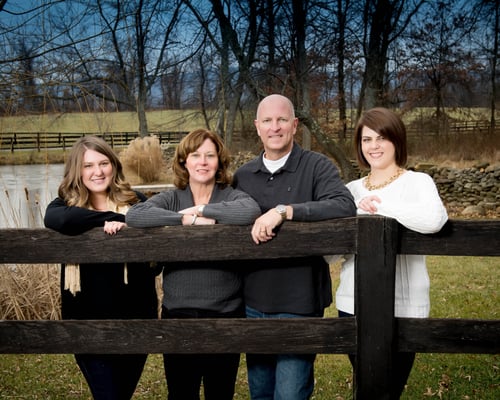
(282, 210)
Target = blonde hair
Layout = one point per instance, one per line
(190, 144)
(75, 193)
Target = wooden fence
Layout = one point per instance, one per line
(372, 335)
(13, 141)
(56, 140)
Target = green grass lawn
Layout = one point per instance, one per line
(461, 287)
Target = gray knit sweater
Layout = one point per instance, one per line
(211, 285)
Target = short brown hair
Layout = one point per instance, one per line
(387, 124)
(190, 144)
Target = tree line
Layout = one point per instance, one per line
(333, 58)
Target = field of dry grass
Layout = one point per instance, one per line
(185, 120)
(89, 123)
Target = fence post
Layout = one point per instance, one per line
(374, 307)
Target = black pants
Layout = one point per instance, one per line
(185, 372)
(402, 365)
(111, 376)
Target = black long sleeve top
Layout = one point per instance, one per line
(104, 293)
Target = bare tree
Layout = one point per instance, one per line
(172, 82)
(384, 21)
(342, 13)
(27, 83)
(135, 31)
(441, 52)
(494, 62)
(117, 57)
(235, 20)
(223, 55)
(31, 42)
(303, 96)
(488, 40)
(310, 39)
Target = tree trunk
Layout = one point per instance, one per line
(494, 61)
(346, 169)
(225, 88)
(141, 74)
(341, 18)
(303, 95)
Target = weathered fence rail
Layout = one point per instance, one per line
(55, 140)
(453, 128)
(372, 335)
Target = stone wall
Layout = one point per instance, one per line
(469, 191)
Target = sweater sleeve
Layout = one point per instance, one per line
(419, 208)
(71, 220)
(156, 211)
(330, 198)
(228, 206)
(238, 208)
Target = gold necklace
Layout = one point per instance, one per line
(370, 187)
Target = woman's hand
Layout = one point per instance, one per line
(190, 210)
(368, 204)
(112, 227)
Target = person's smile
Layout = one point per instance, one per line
(376, 154)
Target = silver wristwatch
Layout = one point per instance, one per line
(281, 210)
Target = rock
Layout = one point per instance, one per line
(481, 165)
(474, 210)
(424, 166)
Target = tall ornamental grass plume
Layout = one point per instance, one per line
(143, 160)
(29, 292)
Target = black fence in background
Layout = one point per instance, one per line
(13, 141)
(54, 140)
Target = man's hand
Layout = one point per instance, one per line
(263, 227)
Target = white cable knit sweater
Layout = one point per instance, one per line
(413, 200)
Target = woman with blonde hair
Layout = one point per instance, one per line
(94, 194)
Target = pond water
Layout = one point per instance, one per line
(25, 192)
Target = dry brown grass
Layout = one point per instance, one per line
(143, 161)
(455, 151)
(29, 292)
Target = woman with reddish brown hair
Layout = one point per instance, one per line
(210, 289)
